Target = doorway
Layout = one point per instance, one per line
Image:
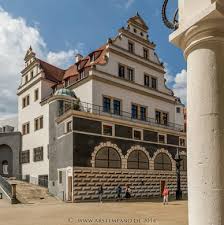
(69, 188)
(5, 167)
(162, 185)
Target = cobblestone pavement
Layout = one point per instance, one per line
(111, 213)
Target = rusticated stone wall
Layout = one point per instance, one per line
(143, 183)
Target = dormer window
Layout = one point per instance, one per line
(131, 47)
(82, 74)
(66, 82)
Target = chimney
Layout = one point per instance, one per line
(78, 57)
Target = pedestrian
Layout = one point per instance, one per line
(127, 192)
(100, 193)
(118, 192)
(165, 195)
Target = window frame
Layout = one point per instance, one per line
(184, 139)
(156, 82)
(109, 125)
(161, 120)
(41, 149)
(22, 161)
(132, 73)
(145, 56)
(165, 138)
(26, 128)
(162, 153)
(36, 94)
(132, 44)
(138, 160)
(124, 70)
(133, 134)
(39, 123)
(147, 82)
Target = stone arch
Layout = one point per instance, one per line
(135, 148)
(107, 144)
(162, 150)
(6, 157)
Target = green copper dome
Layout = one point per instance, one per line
(65, 92)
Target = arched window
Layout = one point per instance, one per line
(183, 163)
(107, 157)
(138, 160)
(162, 162)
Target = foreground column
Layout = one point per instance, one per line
(201, 37)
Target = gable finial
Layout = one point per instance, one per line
(137, 13)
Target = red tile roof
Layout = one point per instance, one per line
(57, 75)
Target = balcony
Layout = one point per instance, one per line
(65, 106)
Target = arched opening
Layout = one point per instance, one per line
(138, 160)
(183, 163)
(162, 162)
(6, 160)
(5, 166)
(107, 157)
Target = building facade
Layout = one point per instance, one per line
(108, 119)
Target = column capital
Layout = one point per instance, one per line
(205, 25)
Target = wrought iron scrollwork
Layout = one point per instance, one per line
(171, 25)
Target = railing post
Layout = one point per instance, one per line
(13, 198)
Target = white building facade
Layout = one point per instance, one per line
(123, 79)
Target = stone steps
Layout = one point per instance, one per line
(29, 193)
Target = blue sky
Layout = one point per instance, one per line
(86, 24)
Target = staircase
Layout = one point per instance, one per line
(28, 193)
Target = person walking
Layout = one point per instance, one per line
(100, 193)
(118, 192)
(165, 195)
(127, 192)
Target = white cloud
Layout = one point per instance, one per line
(124, 3)
(15, 38)
(128, 3)
(180, 86)
(178, 83)
(61, 58)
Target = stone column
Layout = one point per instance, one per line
(201, 37)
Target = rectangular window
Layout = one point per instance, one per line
(137, 135)
(38, 154)
(69, 126)
(66, 82)
(107, 130)
(145, 53)
(25, 101)
(146, 80)
(36, 94)
(106, 104)
(130, 74)
(154, 82)
(131, 47)
(26, 78)
(60, 177)
(38, 123)
(117, 107)
(82, 74)
(178, 109)
(161, 117)
(134, 111)
(25, 156)
(31, 74)
(26, 128)
(182, 142)
(162, 138)
(143, 113)
(121, 71)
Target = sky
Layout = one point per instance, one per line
(57, 30)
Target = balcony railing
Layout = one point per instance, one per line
(65, 106)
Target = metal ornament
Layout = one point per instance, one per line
(171, 25)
